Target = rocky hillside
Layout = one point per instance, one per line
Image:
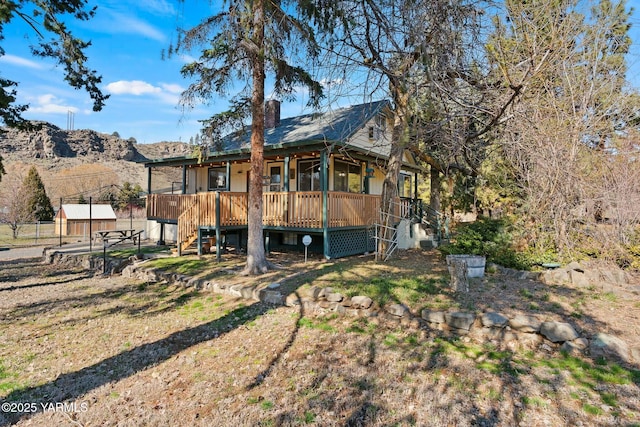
(50, 142)
(63, 158)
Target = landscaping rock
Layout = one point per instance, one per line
(271, 297)
(529, 340)
(575, 266)
(494, 320)
(460, 320)
(398, 310)
(609, 347)
(361, 301)
(433, 316)
(292, 300)
(555, 277)
(334, 297)
(570, 347)
(558, 331)
(579, 279)
(525, 323)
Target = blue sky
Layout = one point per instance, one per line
(128, 37)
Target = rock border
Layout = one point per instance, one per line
(520, 331)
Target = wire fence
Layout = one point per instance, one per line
(129, 216)
(48, 233)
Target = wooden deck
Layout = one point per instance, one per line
(295, 209)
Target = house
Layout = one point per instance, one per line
(323, 178)
(82, 220)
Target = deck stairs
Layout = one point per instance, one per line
(388, 233)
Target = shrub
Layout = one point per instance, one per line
(488, 237)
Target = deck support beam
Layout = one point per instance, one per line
(324, 185)
(218, 247)
(184, 179)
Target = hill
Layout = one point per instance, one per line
(84, 162)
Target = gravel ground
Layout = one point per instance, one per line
(83, 349)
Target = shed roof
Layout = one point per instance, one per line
(75, 211)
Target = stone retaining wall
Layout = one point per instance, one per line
(520, 331)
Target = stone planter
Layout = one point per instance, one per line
(475, 264)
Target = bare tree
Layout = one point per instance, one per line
(564, 137)
(428, 57)
(14, 204)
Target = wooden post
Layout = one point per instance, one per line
(218, 247)
(184, 179)
(149, 180)
(324, 185)
(90, 225)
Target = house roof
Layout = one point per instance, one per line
(336, 126)
(75, 211)
(333, 126)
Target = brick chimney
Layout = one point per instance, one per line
(271, 114)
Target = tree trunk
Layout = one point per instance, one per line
(256, 259)
(390, 184)
(434, 196)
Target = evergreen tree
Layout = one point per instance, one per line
(47, 17)
(244, 42)
(129, 194)
(37, 201)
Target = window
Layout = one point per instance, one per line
(309, 175)
(404, 185)
(347, 177)
(275, 178)
(217, 179)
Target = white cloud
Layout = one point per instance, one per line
(50, 104)
(132, 87)
(114, 22)
(21, 62)
(159, 7)
(172, 88)
(167, 93)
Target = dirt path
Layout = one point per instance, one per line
(78, 349)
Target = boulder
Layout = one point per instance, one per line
(558, 331)
(555, 277)
(494, 320)
(460, 320)
(610, 347)
(579, 279)
(361, 301)
(433, 316)
(525, 323)
(398, 310)
(334, 297)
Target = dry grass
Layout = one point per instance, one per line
(131, 353)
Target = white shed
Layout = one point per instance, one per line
(73, 219)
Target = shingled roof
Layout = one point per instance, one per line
(333, 126)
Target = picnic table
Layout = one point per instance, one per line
(121, 235)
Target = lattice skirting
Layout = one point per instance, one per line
(351, 242)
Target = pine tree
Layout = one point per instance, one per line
(47, 17)
(246, 41)
(37, 201)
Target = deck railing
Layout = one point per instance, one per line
(295, 209)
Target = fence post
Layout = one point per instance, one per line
(90, 226)
(60, 221)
